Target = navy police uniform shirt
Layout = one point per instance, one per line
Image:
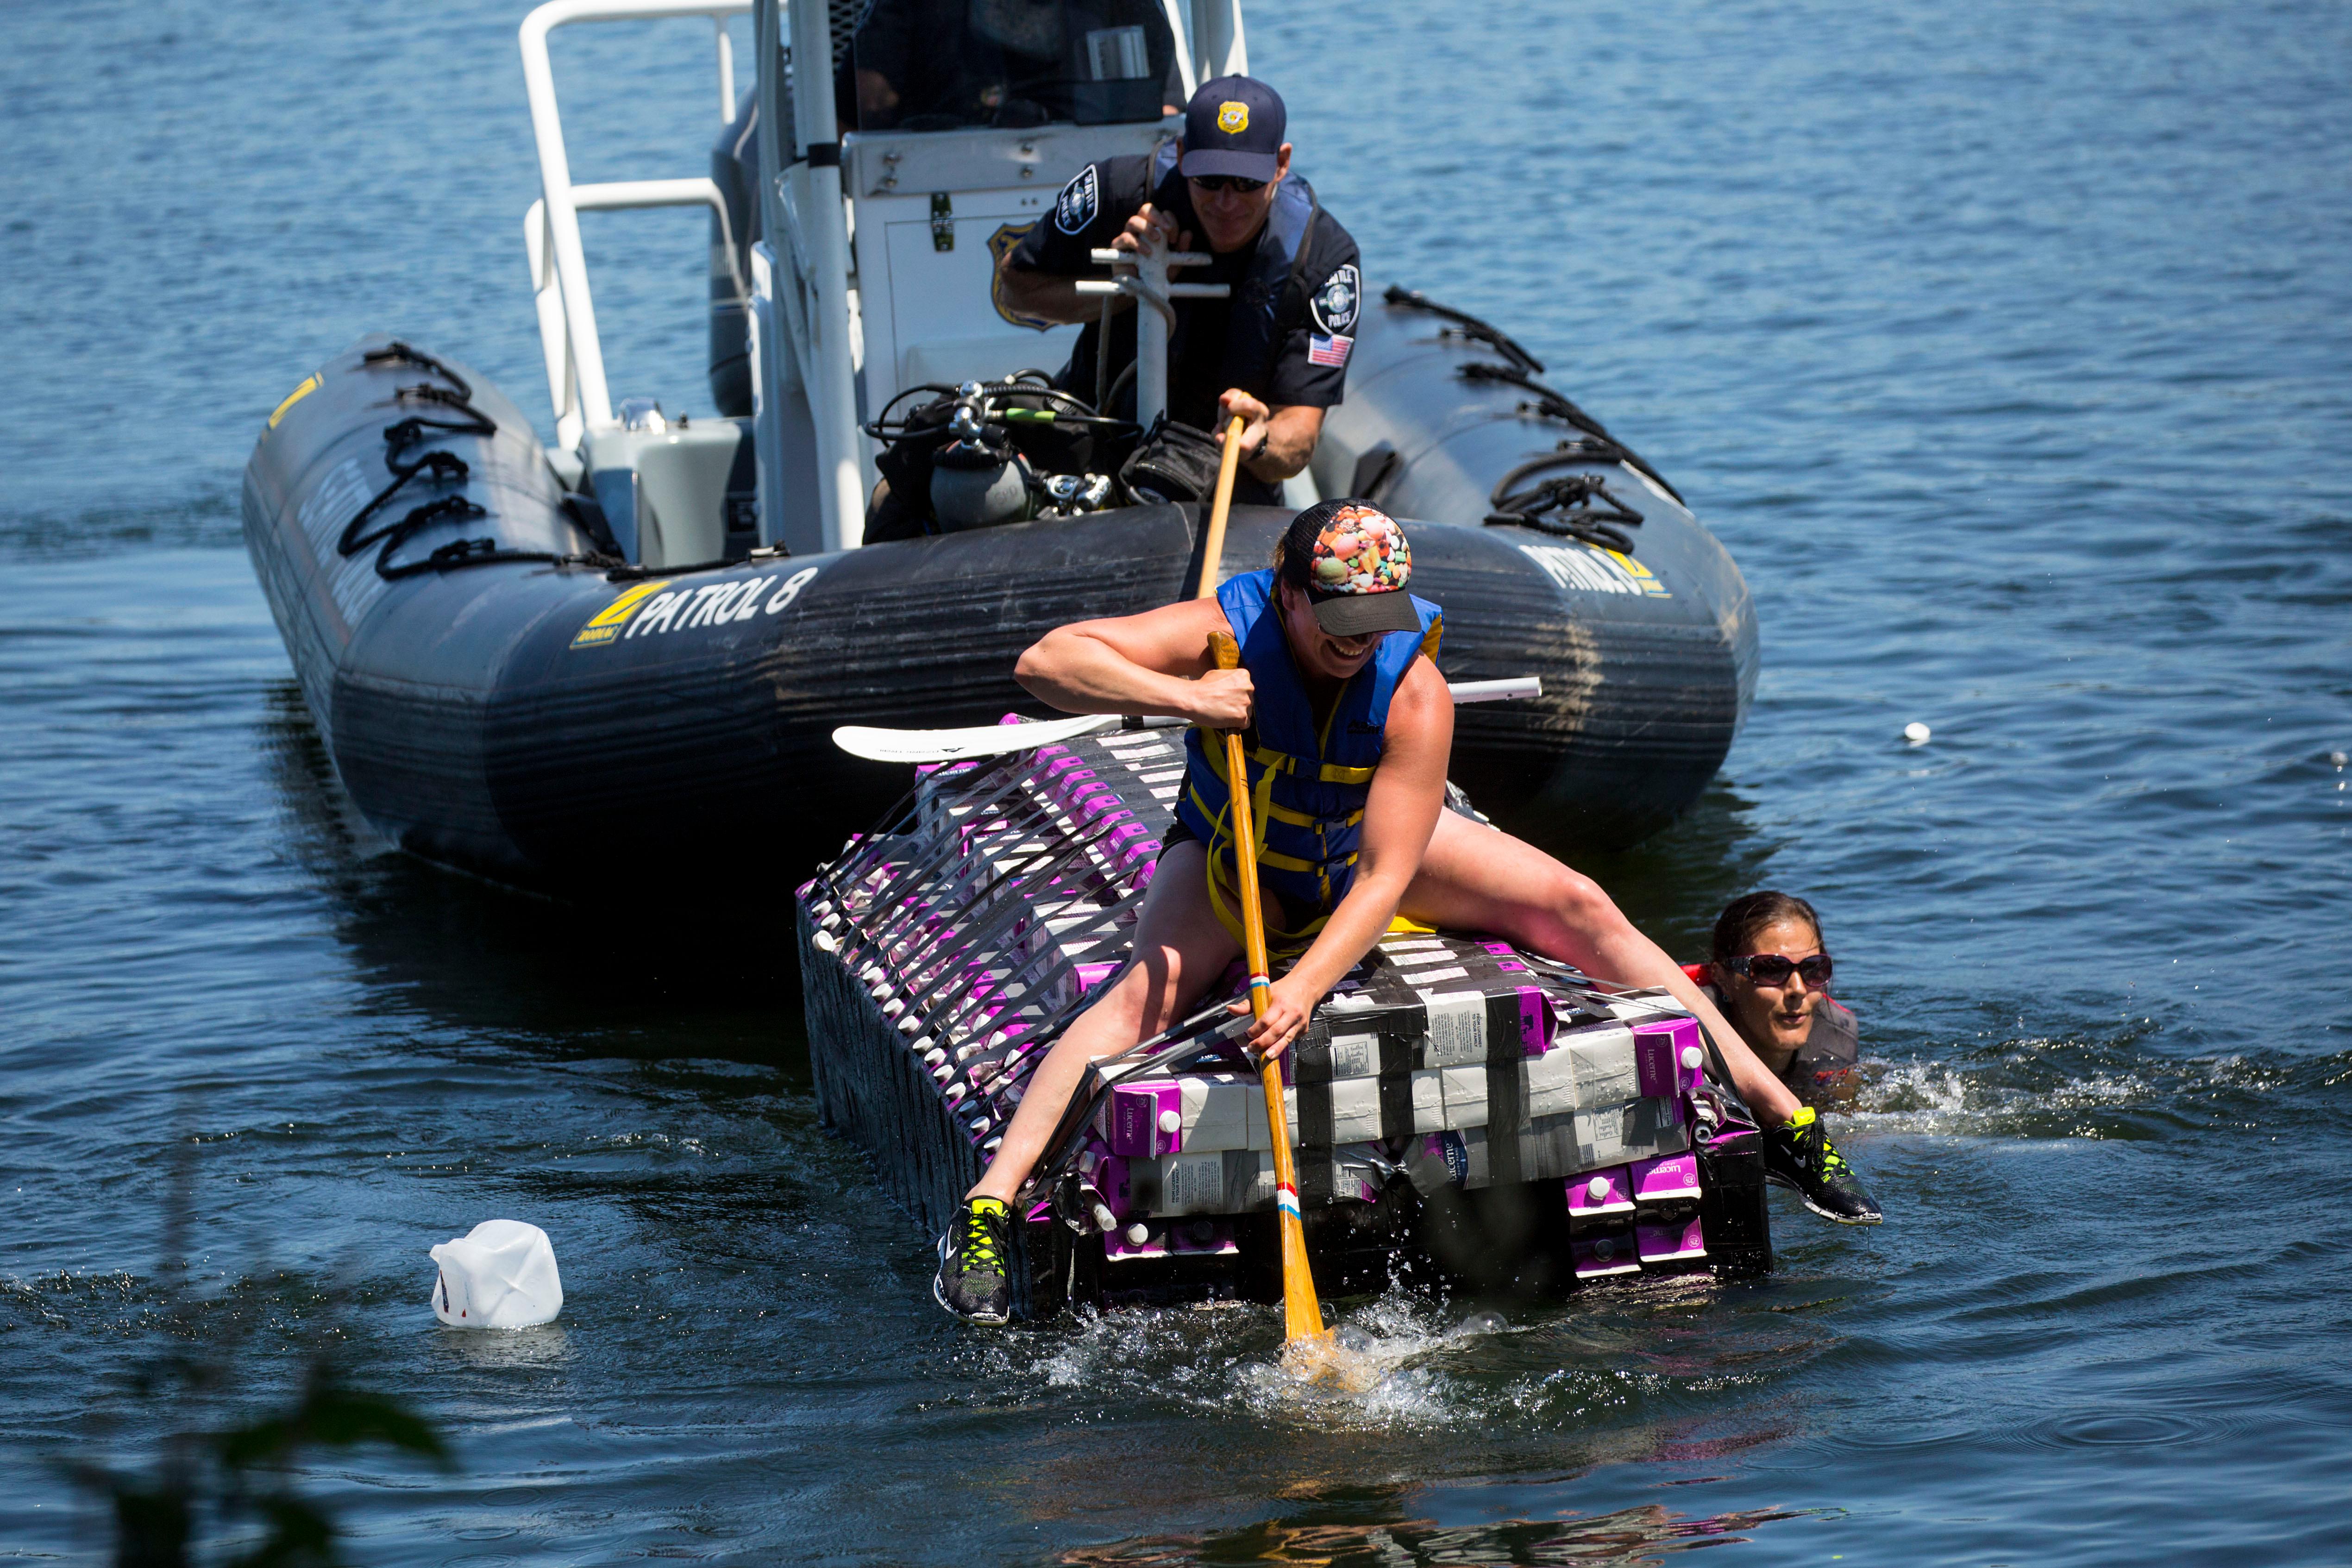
(1304, 359)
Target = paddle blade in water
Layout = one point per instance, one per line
(1321, 1360)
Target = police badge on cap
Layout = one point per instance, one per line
(1234, 126)
(1354, 562)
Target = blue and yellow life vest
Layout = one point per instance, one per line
(1307, 782)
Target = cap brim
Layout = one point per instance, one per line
(1259, 167)
(1356, 615)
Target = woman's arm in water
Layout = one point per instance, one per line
(1408, 791)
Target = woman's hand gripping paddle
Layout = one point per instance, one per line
(1302, 1313)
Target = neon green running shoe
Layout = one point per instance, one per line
(971, 1281)
(1800, 1155)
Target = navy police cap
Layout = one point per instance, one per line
(1234, 126)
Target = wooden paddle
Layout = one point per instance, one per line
(1302, 1312)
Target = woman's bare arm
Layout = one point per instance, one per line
(1157, 662)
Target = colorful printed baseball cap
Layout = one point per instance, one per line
(1352, 559)
(1234, 126)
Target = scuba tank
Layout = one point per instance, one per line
(978, 478)
(987, 453)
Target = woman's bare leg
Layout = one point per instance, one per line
(1477, 877)
(1180, 950)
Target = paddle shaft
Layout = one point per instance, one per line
(1213, 549)
(1302, 1312)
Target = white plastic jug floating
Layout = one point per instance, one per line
(499, 1275)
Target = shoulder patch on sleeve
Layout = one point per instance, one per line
(1076, 207)
(1334, 304)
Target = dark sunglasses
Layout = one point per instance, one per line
(1771, 969)
(1227, 182)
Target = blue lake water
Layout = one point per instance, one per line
(2008, 347)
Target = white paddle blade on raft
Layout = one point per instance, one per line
(878, 746)
(955, 745)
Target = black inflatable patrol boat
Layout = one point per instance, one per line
(619, 659)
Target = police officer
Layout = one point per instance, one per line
(1275, 351)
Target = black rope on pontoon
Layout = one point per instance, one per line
(398, 352)
(445, 467)
(1579, 506)
(1552, 404)
(1466, 325)
(1521, 372)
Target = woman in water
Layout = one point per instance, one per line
(1770, 973)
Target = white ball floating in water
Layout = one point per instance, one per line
(1915, 732)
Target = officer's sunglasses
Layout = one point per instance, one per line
(1234, 182)
(1771, 969)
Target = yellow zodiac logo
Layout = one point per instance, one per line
(1232, 119)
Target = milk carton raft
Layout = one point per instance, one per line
(1460, 1111)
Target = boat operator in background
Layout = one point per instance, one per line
(1276, 352)
(1339, 685)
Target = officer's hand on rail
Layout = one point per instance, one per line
(1220, 699)
(1152, 227)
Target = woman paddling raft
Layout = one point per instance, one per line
(1352, 729)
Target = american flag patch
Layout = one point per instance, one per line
(1330, 351)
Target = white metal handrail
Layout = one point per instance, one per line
(537, 238)
(1142, 275)
(559, 268)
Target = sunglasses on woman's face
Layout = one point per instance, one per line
(1234, 182)
(1771, 969)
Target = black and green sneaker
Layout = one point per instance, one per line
(971, 1281)
(1799, 1154)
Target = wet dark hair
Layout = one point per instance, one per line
(1745, 917)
